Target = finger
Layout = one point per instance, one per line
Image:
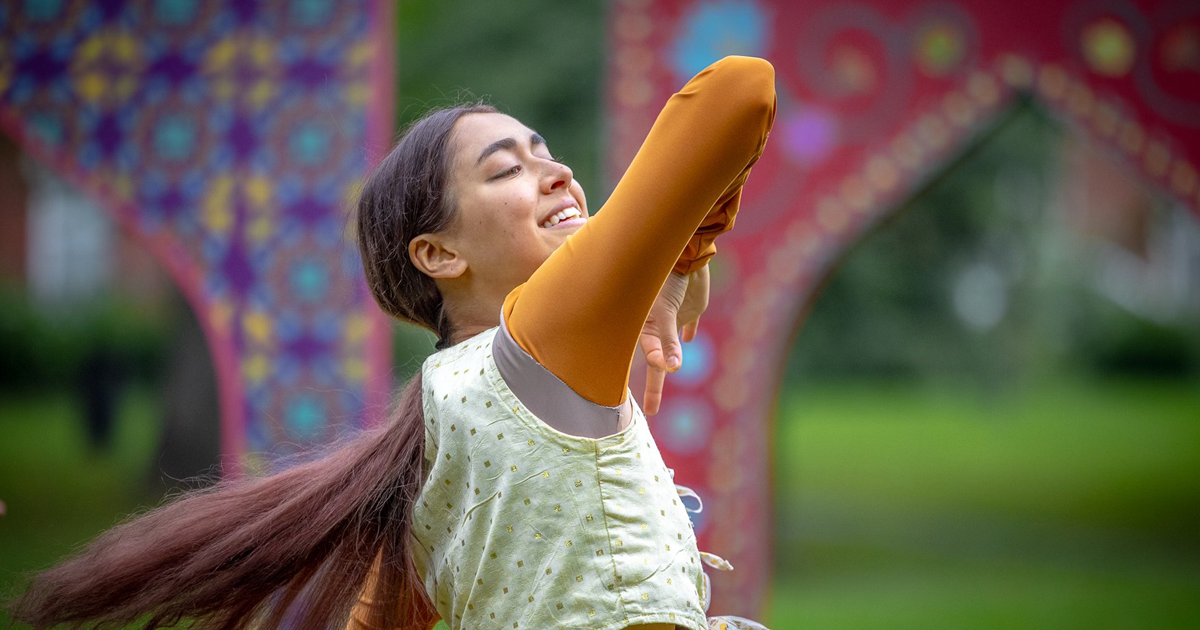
(689, 330)
(654, 389)
(672, 351)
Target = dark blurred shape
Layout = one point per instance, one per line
(14, 193)
(190, 444)
(86, 311)
(99, 383)
(1125, 345)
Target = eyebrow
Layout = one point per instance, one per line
(508, 144)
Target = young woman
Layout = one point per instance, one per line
(517, 485)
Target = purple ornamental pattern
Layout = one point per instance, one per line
(229, 138)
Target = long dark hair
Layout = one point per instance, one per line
(296, 547)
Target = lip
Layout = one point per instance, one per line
(568, 202)
(569, 223)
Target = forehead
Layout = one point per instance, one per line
(474, 132)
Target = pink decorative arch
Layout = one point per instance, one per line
(228, 137)
(874, 98)
(165, 249)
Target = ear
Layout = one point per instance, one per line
(432, 255)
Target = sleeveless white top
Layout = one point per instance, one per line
(523, 526)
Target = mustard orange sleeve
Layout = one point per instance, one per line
(582, 311)
(364, 610)
(367, 606)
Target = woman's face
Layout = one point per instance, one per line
(514, 203)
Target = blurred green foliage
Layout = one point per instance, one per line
(1114, 341)
(41, 349)
(887, 310)
(540, 62)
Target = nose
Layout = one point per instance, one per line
(556, 175)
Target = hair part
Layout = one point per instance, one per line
(404, 197)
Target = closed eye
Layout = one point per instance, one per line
(507, 172)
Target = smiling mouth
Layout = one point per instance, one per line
(562, 215)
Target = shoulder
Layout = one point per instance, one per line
(459, 352)
(451, 368)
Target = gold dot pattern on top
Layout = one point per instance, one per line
(587, 535)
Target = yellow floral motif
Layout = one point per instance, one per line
(259, 191)
(218, 205)
(224, 66)
(357, 91)
(260, 195)
(254, 463)
(256, 367)
(257, 325)
(1108, 47)
(106, 67)
(356, 328)
(354, 369)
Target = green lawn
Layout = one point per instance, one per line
(58, 493)
(1073, 506)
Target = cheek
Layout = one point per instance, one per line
(577, 192)
(511, 210)
(501, 221)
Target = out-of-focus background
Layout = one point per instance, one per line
(989, 415)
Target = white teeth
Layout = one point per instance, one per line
(562, 215)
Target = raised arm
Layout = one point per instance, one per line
(681, 191)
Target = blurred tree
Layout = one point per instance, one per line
(979, 277)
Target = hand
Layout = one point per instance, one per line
(678, 307)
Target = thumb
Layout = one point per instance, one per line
(653, 349)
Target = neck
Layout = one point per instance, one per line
(466, 332)
(472, 307)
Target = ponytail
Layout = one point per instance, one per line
(291, 549)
